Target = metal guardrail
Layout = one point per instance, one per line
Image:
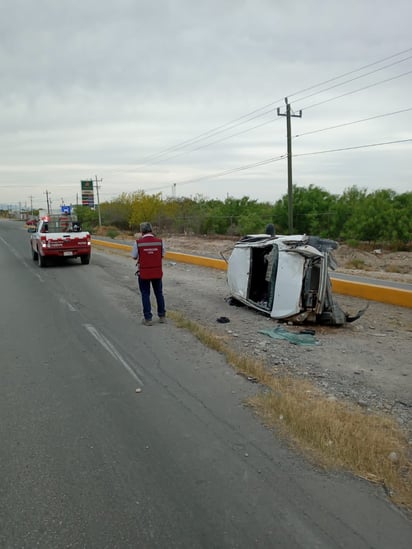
(373, 292)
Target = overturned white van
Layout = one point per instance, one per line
(286, 277)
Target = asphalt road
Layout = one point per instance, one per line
(373, 281)
(86, 461)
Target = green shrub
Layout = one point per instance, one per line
(112, 233)
(358, 264)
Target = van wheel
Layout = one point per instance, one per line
(85, 259)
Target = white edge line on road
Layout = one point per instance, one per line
(68, 305)
(112, 350)
(20, 258)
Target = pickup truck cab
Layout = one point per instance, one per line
(59, 236)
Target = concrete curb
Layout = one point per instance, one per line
(381, 293)
(373, 292)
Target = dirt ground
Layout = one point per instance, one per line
(395, 266)
(367, 362)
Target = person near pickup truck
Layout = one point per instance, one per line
(148, 250)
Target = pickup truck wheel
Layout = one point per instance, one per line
(85, 259)
(34, 254)
(41, 260)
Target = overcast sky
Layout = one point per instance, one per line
(162, 96)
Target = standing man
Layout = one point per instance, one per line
(148, 250)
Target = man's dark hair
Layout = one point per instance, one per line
(270, 229)
(145, 227)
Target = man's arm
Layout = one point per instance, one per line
(135, 251)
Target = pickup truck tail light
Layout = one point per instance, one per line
(43, 241)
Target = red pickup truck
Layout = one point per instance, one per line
(59, 236)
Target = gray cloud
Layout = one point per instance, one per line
(91, 87)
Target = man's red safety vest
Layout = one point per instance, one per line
(150, 251)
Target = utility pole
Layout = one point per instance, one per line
(48, 201)
(31, 204)
(97, 181)
(289, 140)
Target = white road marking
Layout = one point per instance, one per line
(20, 258)
(104, 342)
(13, 251)
(68, 305)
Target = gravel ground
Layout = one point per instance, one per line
(366, 362)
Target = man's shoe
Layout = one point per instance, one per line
(162, 319)
(147, 322)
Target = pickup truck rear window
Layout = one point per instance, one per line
(60, 226)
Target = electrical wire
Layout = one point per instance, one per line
(223, 173)
(353, 148)
(277, 159)
(357, 90)
(350, 72)
(151, 159)
(274, 119)
(170, 157)
(262, 111)
(356, 78)
(353, 122)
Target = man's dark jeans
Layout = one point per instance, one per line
(144, 286)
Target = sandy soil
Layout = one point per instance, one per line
(396, 266)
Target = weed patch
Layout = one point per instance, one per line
(395, 268)
(358, 264)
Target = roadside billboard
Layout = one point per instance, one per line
(87, 193)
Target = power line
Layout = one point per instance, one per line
(353, 122)
(355, 147)
(356, 78)
(276, 159)
(258, 112)
(351, 72)
(273, 118)
(357, 90)
(223, 173)
(211, 133)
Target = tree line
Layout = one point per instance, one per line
(381, 216)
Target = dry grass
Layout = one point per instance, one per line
(339, 435)
(395, 268)
(358, 264)
(334, 433)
